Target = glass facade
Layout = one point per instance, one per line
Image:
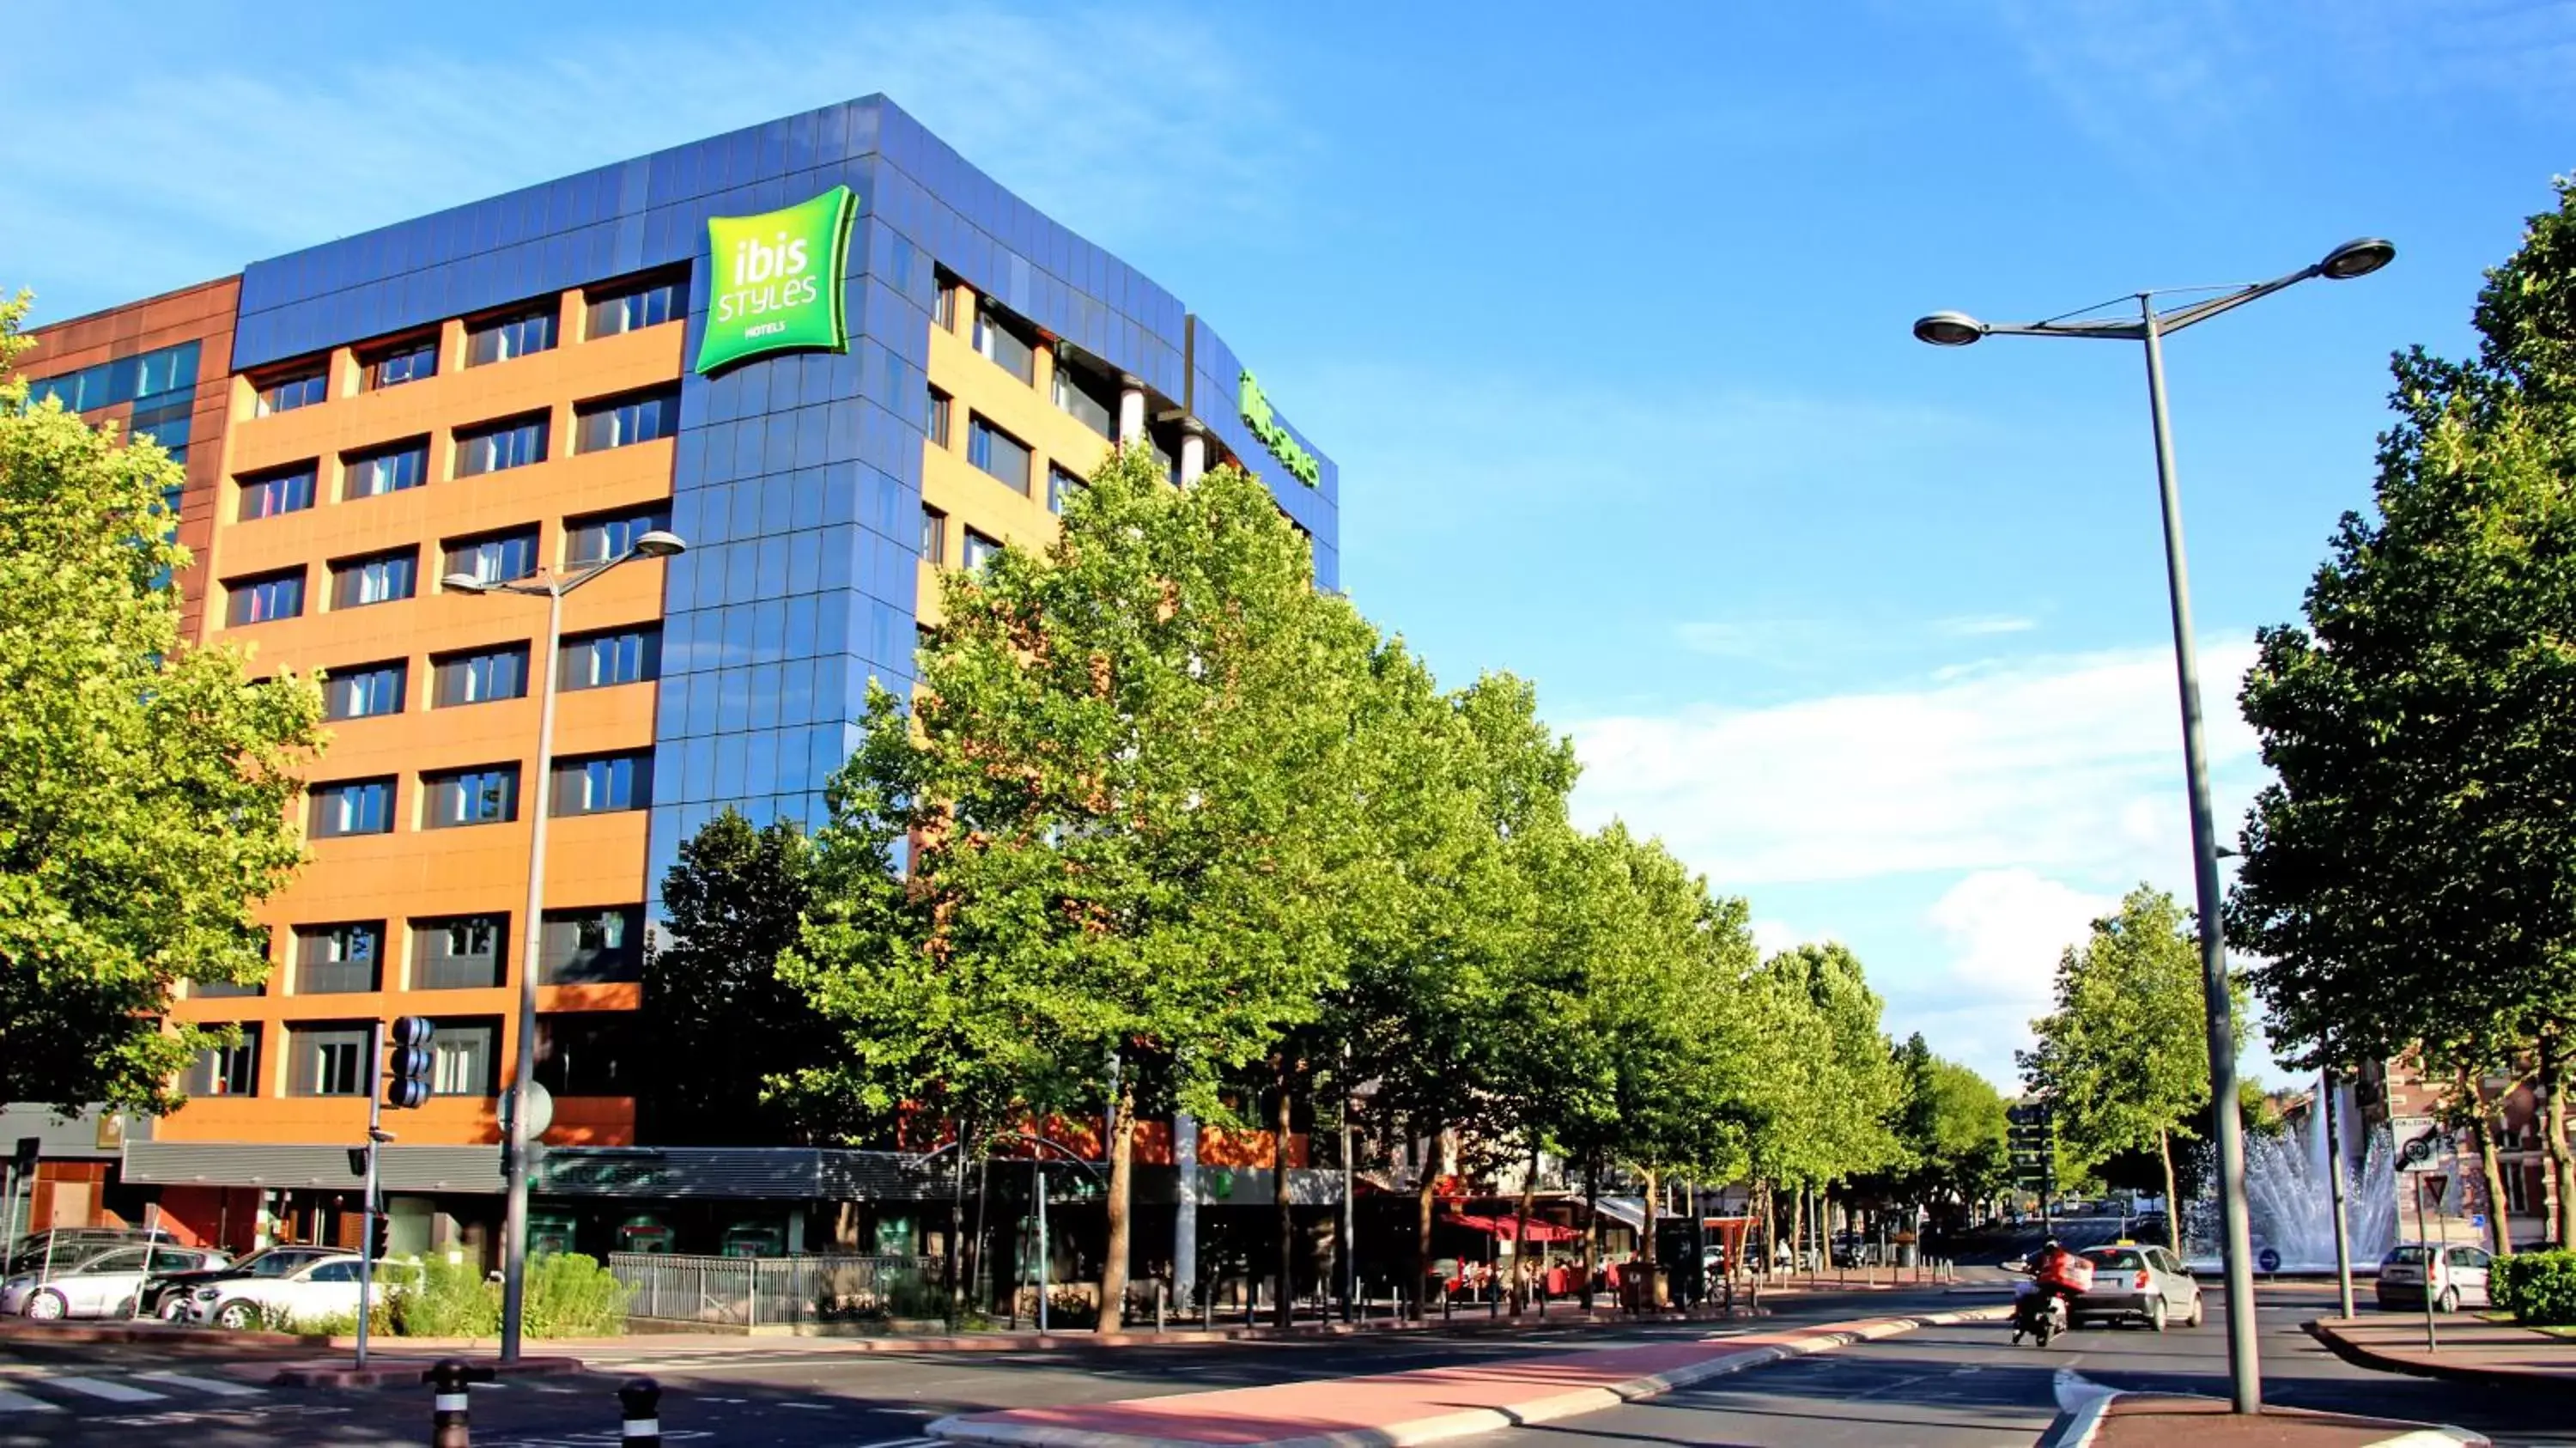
(142, 379)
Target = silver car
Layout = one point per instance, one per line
(2459, 1276)
(103, 1284)
(2134, 1283)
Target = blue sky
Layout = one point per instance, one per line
(1603, 313)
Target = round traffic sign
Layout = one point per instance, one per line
(2268, 1260)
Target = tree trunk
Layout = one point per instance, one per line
(1798, 1227)
(1283, 1311)
(2173, 1202)
(1521, 1241)
(2553, 1133)
(1122, 1178)
(956, 1226)
(1646, 1255)
(1427, 1201)
(2490, 1168)
(1591, 1228)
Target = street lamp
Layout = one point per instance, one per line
(1958, 329)
(515, 1163)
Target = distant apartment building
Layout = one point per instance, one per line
(829, 354)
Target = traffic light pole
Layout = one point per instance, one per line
(367, 1205)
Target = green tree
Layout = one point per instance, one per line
(1827, 1087)
(144, 784)
(1131, 787)
(1951, 1128)
(2123, 1059)
(732, 1038)
(2410, 877)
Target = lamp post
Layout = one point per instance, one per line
(1955, 329)
(515, 1164)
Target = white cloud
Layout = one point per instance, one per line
(1773, 936)
(1983, 625)
(2003, 931)
(2070, 765)
(246, 164)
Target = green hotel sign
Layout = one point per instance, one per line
(1283, 445)
(777, 281)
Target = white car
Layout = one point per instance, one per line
(318, 1291)
(2459, 1276)
(104, 1284)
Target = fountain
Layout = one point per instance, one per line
(2290, 1201)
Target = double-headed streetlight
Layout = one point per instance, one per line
(521, 1126)
(1957, 329)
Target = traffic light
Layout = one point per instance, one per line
(407, 1069)
(380, 1234)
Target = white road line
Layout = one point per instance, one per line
(811, 1407)
(101, 1388)
(206, 1385)
(20, 1403)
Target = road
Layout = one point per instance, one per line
(1968, 1387)
(1953, 1386)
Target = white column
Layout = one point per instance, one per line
(1131, 415)
(1193, 457)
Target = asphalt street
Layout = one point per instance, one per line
(1946, 1386)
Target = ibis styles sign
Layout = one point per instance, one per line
(776, 281)
(1275, 435)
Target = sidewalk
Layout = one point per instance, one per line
(2134, 1420)
(2472, 1349)
(1419, 1406)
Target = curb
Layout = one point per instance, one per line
(159, 1332)
(406, 1372)
(2363, 1357)
(964, 1428)
(2089, 1402)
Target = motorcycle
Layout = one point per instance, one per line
(2039, 1308)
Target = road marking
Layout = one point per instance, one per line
(101, 1388)
(20, 1403)
(810, 1407)
(205, 1385)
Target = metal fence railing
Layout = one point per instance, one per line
(777, 1291)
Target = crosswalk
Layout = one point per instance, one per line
(44, 1390)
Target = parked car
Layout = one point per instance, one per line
(166, 1295)
(103, 1284)
(2458, 1275)
(324, 1288)
(53, 1246)
(2144, 1284)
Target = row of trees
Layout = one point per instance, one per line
(1166, 829)
(2409, 879)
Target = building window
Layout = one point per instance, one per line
(582, 947)
(979, 550)
(943, 306)
(286, 491)
(480, 677)
(937, 427)
(1061, 486)
(461, 797)
(498, 446)
(462, 953)
(408, 362)
(493, 557)
(1001, 344)
(353, 807)
(503, 338)
(123, 379)
(385, 470)
(934, 535)
(462, 1058)
(620, 421)
(379, 578)
(998, 453)
(329, 1060)
(603, 537)
(265, 598)
(603, 783)
(338, 959)
(618, 656)
(364, 691)
(228, 1070)
(289, 393)
(1079, 398)
(586, 1053)
(634, 308)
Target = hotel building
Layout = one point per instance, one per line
(522, 386)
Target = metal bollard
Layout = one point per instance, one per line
(1493, 1301)
(1161, 1299)
(451, 1410)
(639, 1405)
(1444, 1305)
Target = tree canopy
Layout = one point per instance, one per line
(145, 784)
